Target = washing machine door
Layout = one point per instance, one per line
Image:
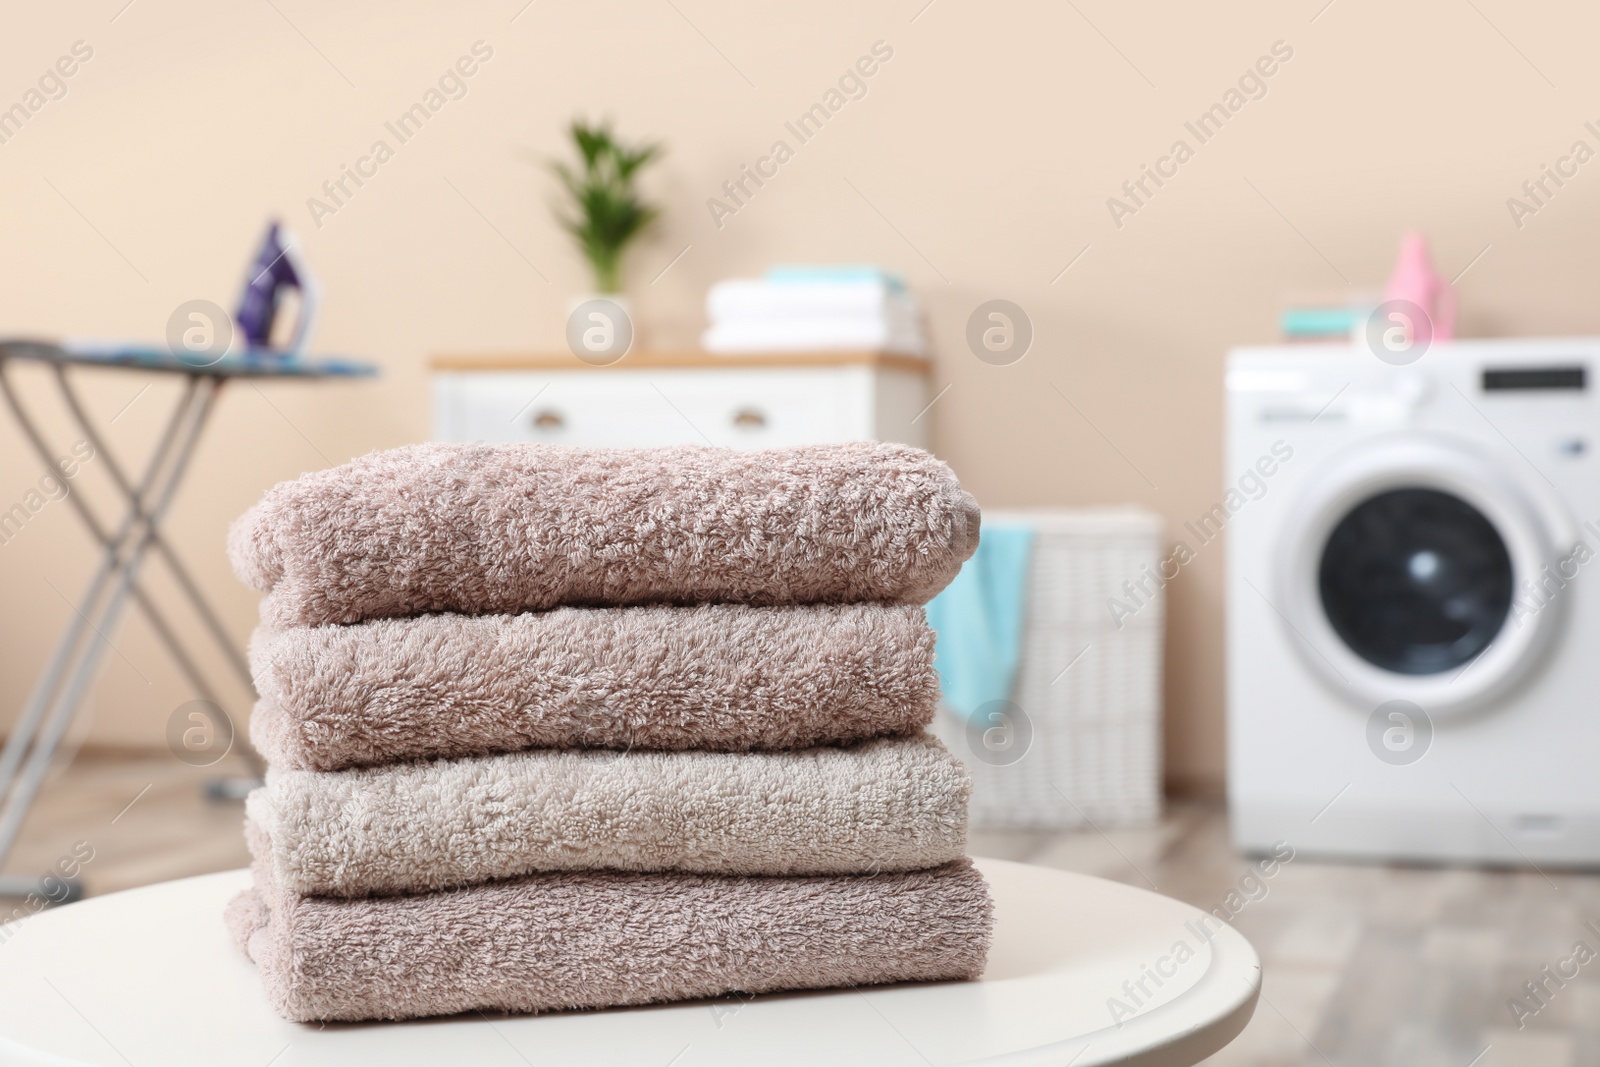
(1416, 568)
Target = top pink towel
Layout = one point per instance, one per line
(511, 528)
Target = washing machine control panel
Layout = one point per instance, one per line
(1563, 378)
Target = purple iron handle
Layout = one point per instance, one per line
(278, 267)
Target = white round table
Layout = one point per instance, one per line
(1083, 972)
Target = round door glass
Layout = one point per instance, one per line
(1416, 581)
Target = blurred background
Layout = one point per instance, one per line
(989, 156)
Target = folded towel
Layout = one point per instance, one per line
(595, 938)
(979, 619)
(893, 805)
(802, 335)
(725, 677)
(747, 298)
(814, 273)
(507, 528)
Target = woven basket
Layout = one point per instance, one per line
(1088, 691)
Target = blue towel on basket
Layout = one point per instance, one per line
(979, 619)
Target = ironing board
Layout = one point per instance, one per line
(151, 976)
(55, 699)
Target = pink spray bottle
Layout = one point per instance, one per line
(1414, 280)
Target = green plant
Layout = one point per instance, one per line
(605, 213)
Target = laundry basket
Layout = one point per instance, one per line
(1088, 686)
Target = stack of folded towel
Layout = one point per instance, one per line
(812, 308)
(562, 728)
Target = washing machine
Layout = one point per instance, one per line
(1413, 601)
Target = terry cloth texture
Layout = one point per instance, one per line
(719, 676)
(889, 805)
(510, 528)
(596, 938)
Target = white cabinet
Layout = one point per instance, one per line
(649, 399)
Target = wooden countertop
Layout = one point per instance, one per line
(651, 360)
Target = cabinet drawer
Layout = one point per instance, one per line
(744, 409)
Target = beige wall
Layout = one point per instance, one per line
(979, 163)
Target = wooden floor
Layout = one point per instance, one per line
(146, 820)
(1365, 966)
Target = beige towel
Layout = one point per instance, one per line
(596, 939)
(714, 676)
(883, 806)
(508, 528)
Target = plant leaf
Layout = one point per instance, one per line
(606, 212)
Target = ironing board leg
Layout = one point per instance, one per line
(45, 691)
(51, 709)
(105, 538)
(191, 588)
(231, 788)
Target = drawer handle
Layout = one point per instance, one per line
(749, 419)
(547, 419)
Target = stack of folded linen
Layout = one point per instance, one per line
(812, 308)
(563, 728)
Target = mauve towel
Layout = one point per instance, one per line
(596, 939)
(890, 805)
(723, 677)
(508, 528)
